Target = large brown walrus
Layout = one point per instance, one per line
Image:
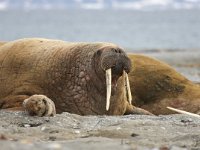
(155, 85)
(80, 78)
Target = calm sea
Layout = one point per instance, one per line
(129, 29)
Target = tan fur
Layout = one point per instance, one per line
(155, 85)
(71, 75)
(2, 43)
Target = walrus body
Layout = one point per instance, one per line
(72, 75)
(155, 85)
(2, 43)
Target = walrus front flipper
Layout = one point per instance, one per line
(136, 110)
(39, 105)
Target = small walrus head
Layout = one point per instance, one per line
(111, 62)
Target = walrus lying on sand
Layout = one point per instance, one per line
(73, 76)
(155, 86)
(80, 78)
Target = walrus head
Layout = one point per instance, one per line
(111, 63)
(90, 78)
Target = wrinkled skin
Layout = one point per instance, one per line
(155, 85)
(72, 75)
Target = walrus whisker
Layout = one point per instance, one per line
(108, 87)
(128, 87)
(184, 112)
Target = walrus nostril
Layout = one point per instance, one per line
(119, 51)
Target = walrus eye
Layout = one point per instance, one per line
(99, 52)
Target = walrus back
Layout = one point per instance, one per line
(24, 61)
(2, 43)
(156, 85)
(162, 80)
(28, 62)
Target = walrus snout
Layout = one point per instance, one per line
(115, 63)
(122, 64)
(117, 71)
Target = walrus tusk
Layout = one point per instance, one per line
(108, 86)
(128, 87)
(184, 112)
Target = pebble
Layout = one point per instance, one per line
(27, 125)
(54, 146)
(118, 128)
(77, 132)
(43, 128)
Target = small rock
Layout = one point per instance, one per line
(163, 128)
(52, 138)
(164, 148)
(54, 146)
(77, 132)
(3, 137)
(43, 128)
(186, 120)
(27, 125)
(118, 128)
(134, 134)
(25, 141)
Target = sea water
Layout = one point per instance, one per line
(169, 29)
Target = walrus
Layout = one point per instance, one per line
(155, 85)
(2, 43)
(81, 78)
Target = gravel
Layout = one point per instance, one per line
(69, 131)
